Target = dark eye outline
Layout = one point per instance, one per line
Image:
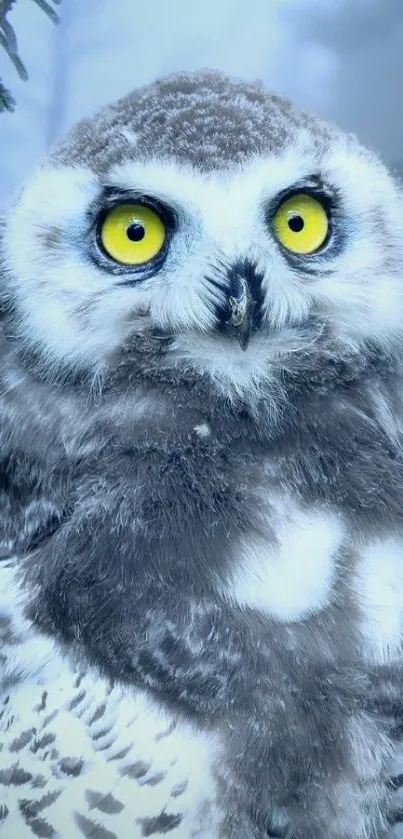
(112, 198)
(335, 237)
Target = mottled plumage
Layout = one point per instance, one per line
(202, 526)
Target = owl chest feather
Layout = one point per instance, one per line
(267, 525)
(213, 501)
(168, 525)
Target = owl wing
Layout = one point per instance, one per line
(80, 758)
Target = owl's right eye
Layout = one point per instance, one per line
(132, 234)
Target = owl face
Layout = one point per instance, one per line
(215, 217)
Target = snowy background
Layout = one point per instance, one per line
(341, 58)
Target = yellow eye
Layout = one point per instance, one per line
(132, 234)
(301, 224)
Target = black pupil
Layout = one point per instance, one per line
(296, 223)
(135, 232)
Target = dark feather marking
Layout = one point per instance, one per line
(22, 740)
(71, 766)
(102, 733)
(42, 829)
(160, 824)
(136, 770)
(42, 742)
(49, 718)
(107, 803)
(42, 704)
(77, 700)
(4, 811)
(153, 780)
(7, 633)
(38, 782)
(120, 755)
(91, 830)
(15, 776)
(31, 808)
(98, 713)
(166, 733)
(179, 789)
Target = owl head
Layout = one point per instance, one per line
(216, 218)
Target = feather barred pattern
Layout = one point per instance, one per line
(80, 758)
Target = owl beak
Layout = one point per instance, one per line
(242, 313)
(240, 321)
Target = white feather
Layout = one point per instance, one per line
(295, 577)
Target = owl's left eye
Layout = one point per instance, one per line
(132, 234)
(301, 224)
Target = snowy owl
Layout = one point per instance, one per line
(201, 583)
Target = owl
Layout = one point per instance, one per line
(201, 583)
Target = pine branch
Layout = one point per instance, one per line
(47, 8)
(7, 103)
(8, 40)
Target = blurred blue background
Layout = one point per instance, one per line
(341, 58)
